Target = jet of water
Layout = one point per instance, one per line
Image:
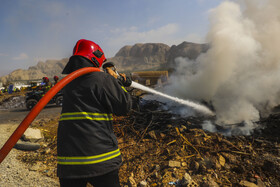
(195, 106)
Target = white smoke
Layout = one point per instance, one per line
(208, 126)
(240, 73)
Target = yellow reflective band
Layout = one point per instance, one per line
(124, 89)
(86, 115)
(88, 159)
(90, 118)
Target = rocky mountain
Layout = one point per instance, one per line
(155, 56)
(185, 49)
(48, 68)
(139, 57)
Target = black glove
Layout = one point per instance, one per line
(125, 82)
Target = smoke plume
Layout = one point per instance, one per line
(240, 73)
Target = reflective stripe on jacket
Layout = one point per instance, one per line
(88, 159)
(86, 115)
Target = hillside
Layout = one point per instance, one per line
(48, 68)
(148, 56)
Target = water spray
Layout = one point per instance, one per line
(196, 106)
(201, 108)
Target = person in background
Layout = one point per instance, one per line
(46, 84)
(10, 88)
(55, 78)
(87, 147)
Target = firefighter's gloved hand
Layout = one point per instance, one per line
(111, 72)
(126, 81)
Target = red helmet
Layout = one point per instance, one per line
(45, 79)
(55, 78)
(91, 51)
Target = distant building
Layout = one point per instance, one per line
(150, 78)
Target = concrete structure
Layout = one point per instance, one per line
(150, 78)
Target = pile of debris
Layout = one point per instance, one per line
(12, 101)
(163, 149)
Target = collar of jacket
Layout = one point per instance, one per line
(76, 62)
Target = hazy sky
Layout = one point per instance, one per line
(36, 30)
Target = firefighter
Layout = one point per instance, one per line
(55, 78)
(46, 84)
(87, 147)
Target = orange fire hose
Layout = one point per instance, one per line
(37, 109)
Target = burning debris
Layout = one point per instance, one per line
(151, 138)
(240, 71)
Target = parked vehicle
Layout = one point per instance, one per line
(33, 97)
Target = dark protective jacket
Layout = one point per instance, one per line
(87, 145)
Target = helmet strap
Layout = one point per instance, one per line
(95, 62)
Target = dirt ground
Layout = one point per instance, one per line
(163, 149)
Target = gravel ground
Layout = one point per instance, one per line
(15, 173)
